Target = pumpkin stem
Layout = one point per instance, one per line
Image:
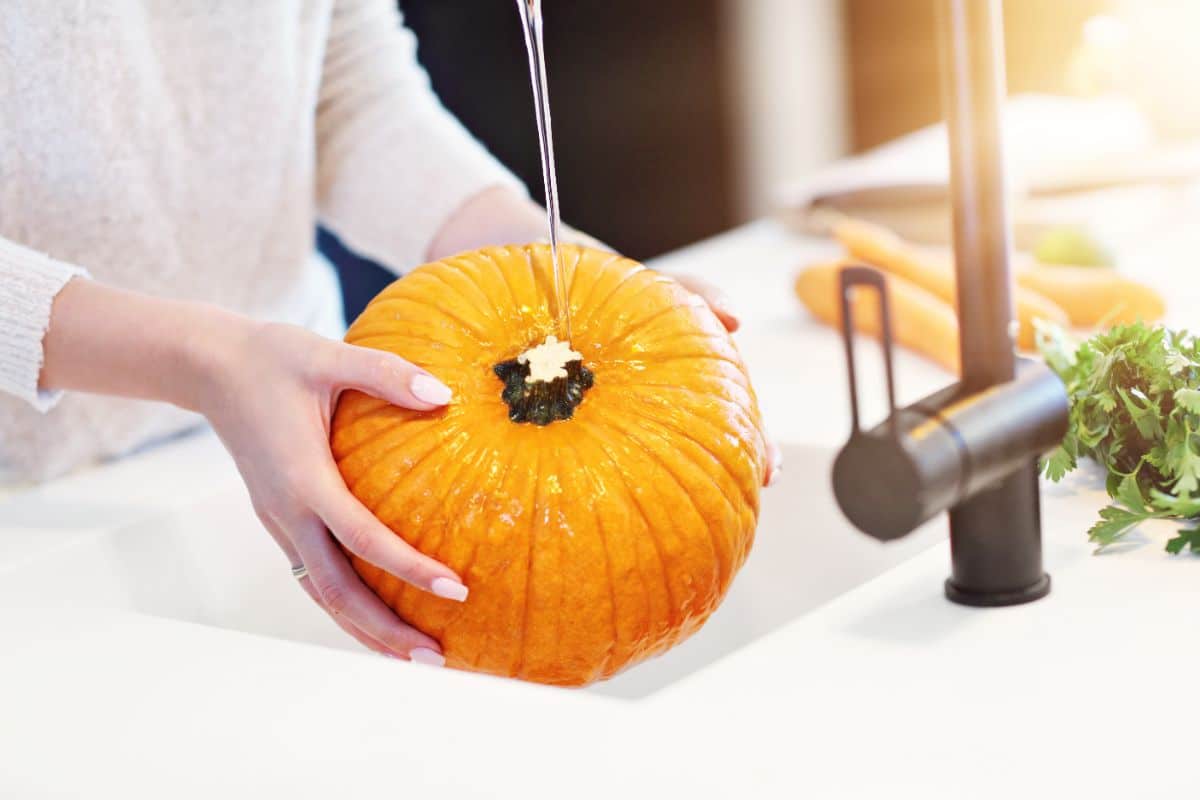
(544, 383)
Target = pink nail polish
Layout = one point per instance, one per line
(423, 655)
(449, 589)
(429, 389)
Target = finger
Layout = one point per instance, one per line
(344, 596)
(280, 536)
(774, 464)
(365, 536)
(717, 300)
(346, 625)
(386, 376)
(294, 560)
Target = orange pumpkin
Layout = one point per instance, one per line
(598, 518)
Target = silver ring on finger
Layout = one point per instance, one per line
(299, 571)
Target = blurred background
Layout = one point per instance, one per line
(678, 119)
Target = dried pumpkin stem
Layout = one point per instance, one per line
(544, 383)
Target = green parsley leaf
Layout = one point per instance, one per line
(1058, 464)
(1177, 362)
(1114, 523)
(1188, 538)
(1129, 494)
(1189, 399)
(1135, 409)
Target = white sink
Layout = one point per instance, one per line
(213, 565)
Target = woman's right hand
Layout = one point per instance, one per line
(269, 391)
(269, 394)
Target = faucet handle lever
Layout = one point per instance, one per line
(852, 276)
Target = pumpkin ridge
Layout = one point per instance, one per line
(371, 408)
(355, 437)
(397, 599)
(724, 561)
(502, 277)
(472, 332)
(557, 537)
(472, 465)
(619, 336)
(472, 556)
(543, 282)
(664, 359)
(421, 533)
(657, 347)
(599, 306)
(431, 430)
(673, 605)
(471, 288)
(636, 645)
(663, 388)
(470, 267)
(598, 272)
(441, 447)
(704, 399)
(646, 321)
(698, 584)
(550, 279)
(364, 341)
(705, 336)
(491, 328)
(569, 276)
(682, 432)
(678, 524)
(597, 275)
(344, 453)
(579, 540)
(582, 476)
(536, 474)
(711, 458)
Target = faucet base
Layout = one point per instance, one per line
(965, 597)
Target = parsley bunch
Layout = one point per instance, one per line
(1135, 408)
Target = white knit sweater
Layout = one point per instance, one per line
(187, 149)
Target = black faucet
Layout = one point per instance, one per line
(972, 447)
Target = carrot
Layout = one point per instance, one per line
(1094, 296)
(882, 248)
(920, 320)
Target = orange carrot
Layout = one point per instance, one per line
(935, 272)
(920, 320)
(1093, 296)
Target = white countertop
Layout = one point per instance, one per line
(115, 684)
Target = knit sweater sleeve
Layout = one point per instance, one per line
(392, 163)
(29, 282)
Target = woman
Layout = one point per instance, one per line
(161, 170)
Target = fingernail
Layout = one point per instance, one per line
(774, 479)
(429, 389)
(724, 305)
(423, 655)
(449, 589)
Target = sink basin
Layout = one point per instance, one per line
(213, 565)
